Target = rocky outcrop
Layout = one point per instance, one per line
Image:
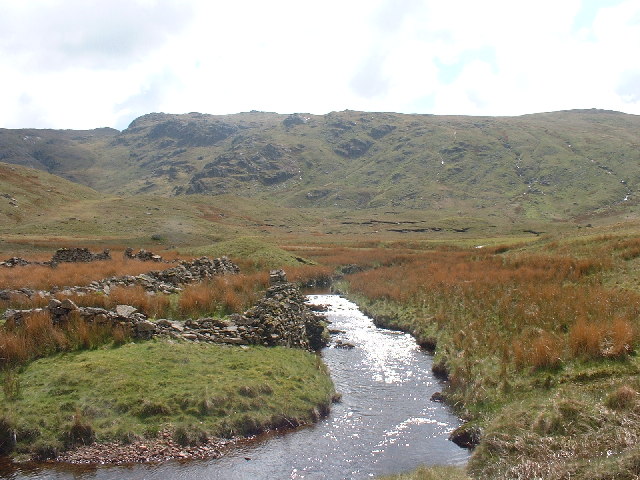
(250, 161)
(196, 132)
(353, 148)
(12, 201)
(466, 436)
(294, 119)
(78, 255)
(381, 130)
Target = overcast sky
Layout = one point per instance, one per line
(94, 63)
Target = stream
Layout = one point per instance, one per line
(385, 422)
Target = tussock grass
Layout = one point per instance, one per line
(150, 303)
(310, 274)
(541, 309)
(39, 337)
(216, 296)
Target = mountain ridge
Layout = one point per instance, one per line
(552, 166)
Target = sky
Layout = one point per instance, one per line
(85, 64)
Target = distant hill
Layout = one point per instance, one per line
(547, 166)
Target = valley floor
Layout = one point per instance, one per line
(537, 340)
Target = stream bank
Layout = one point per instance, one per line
(385, 423)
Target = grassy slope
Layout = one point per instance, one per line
(532, 167)
(263, 255)
(50, 212)
(36, 194)
(217, 390)
(54, 212)
(68, 153)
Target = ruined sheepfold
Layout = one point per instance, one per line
(62, 255)
(280, 318)
(161, 281)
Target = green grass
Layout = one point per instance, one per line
(568, 430)
(263, 254)
(136, 390)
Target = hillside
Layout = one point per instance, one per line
(543, 167)
(27, 193)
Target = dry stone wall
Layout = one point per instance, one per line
(281, 318)
(62, 255)
(142, 255)
(72, 255)
(162, 281)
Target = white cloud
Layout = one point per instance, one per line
(84, 64)
(53, 35)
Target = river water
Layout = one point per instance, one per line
(385, 422)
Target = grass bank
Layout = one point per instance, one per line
(538, 348)
(137, 390)
(430, 473)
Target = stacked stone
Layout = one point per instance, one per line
(161, 281)
(73, 255)
(15, 262)
(62, 312)
(281, 317)
(142, 255)
(195, 271)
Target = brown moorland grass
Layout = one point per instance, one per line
(222, 295)
(152, 304)
(310, 274)
(70, 274)
(337, 256)
(526, 305)
(38, 337)
(217, 296)
(521, 336)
